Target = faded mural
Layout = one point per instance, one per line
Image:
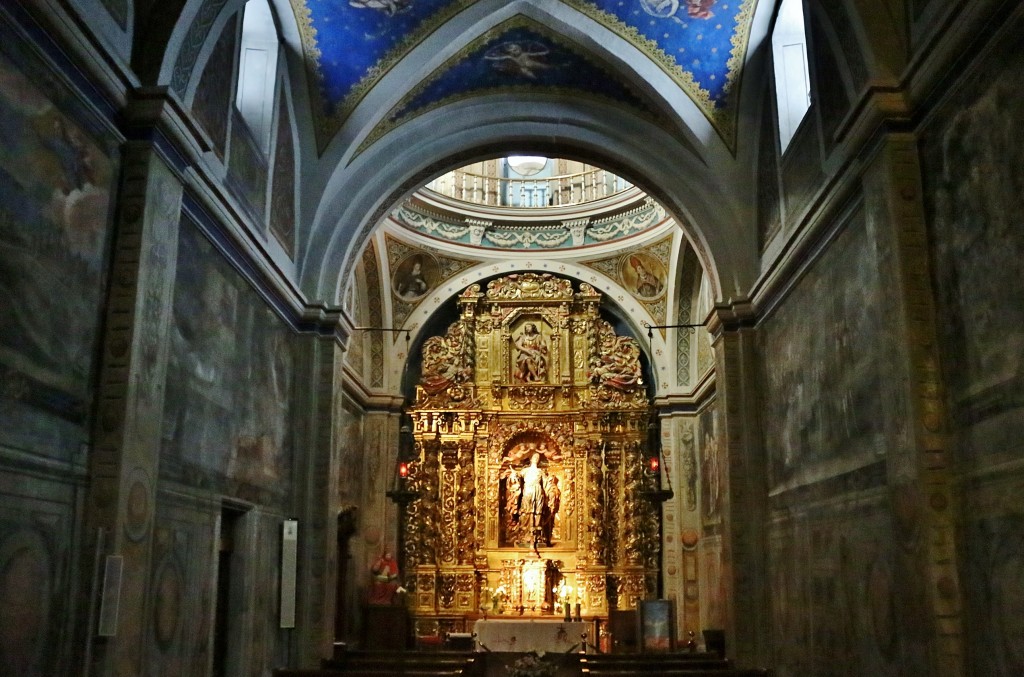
(55, 185)
(711, 459)
(182, 592)
(230, 372)
(971, 155)
(282, 199)
(839, 542)
(712, 462)
(56, 173)
(975, 216)
(349, 421)
(212, 99)
(826, 372)
(832, 584)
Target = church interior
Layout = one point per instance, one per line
(615, 326)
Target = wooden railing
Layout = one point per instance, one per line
(529, 193)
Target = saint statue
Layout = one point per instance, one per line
(531, 356)
(384, 580)
(532, 502)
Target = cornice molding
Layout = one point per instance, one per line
(156, 115)
(731, 316)
(884, 107)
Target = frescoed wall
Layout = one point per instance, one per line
(832, 411)
(829, 401)
(711, 460)
(229, 392)
(57, 169)
(350, 420)
(832, 590)
(974, 216)
(212, 102)
(55, 185)
(282, 199)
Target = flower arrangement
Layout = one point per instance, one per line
(493, 599)
(531, 665)
(563, 593)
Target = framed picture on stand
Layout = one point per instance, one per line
(657, 626)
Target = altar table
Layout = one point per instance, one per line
(529, 634)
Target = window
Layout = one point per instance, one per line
(257, 70)
(792, 76)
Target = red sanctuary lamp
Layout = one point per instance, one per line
(400, 493)
(652, 489)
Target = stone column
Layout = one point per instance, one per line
(681, 522)
(123, 466)
(316, 499)
(378, 519)
(742, 482)
(920, 473)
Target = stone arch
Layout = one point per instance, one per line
(359, 195)
(635, 314)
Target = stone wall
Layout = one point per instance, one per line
(209, 397)
(972, 150)
(226, 469)
(832, 409)
(57, 168)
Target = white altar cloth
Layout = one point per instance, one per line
(529, 634)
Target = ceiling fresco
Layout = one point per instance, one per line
(350, 44)
(643, 273)
(522, 56)
(700, 43)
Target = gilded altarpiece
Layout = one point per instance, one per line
(530, 422)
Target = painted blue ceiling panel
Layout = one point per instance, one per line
(697, 34)
(357, 38)
(513, 59)
(351, 44)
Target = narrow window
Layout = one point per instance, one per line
(792, 76)
(257, 69)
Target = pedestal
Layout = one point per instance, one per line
(385, 628)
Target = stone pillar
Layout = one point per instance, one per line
(681, 524)
(743, 486)
(123, 466)
(920, 473)
(379, 515)
(317, 502)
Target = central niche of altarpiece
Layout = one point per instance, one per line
(530, 422)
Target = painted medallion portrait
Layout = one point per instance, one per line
(414, 276)
(643, 275)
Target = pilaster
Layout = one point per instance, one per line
(743, 488)
(681, 522)
(317, 504)
(124, 464)
(920, 473)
